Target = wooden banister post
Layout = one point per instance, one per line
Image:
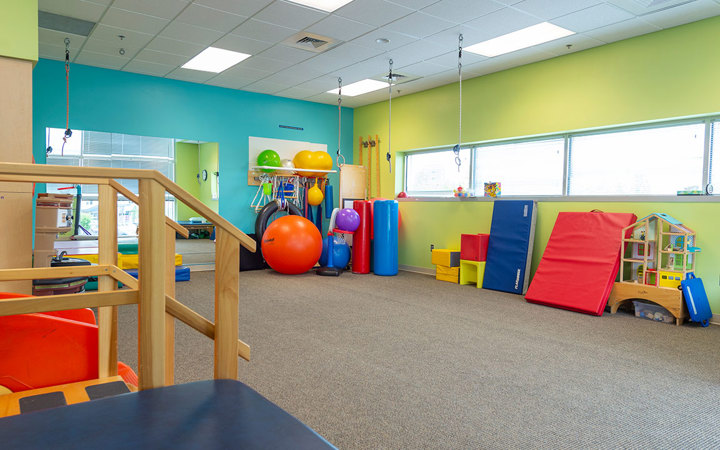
(169, 320)
(227, 279)
(151, 308)
(107, 254)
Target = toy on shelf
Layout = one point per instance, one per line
(492, 189)
(659, 252)
(460, 192)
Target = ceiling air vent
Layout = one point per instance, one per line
(64, 24)
(310, 42)
(398, 78)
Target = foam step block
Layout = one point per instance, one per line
(445, 257)
(472, 272)
(182, 273)
(473, 247)
(444, 273)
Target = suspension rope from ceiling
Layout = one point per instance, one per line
(456, 149)
(340, 158)
(390, 80)
(68, 131)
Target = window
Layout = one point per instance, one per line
(522, 168)
(97, 149)
(436, 173)
(657, 159)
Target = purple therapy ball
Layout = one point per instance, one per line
(347, 219)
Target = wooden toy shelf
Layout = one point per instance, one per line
(658, 252)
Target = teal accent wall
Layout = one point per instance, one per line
(115, 101)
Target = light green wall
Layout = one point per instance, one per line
(186, 170)
(19, 29)
(670, 73)
(208, 160)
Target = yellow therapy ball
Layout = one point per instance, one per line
(304, 160)
(315, 195)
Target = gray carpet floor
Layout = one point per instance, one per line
(411, 362)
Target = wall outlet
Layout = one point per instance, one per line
(432, 247)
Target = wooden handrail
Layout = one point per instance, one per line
(128, 194)
(36, 172)
(40, 273)
(29, 305)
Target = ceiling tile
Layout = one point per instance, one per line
(450, 59)
(285, 53)
(191, 33)
(419, 24)
(449, 38)
(100, 60)
(214, 19)
(340, 28)
(343, 55)
(48, 51)
(56, 38)
(163, 44)
(238, 72)
(168, 59)
(396, 40)
(263, 31)
(370, 68)
(290, 15)
(414, 4)
(550, 9)
(79, 9)
(245, 8)
(320, 84)
(241, 44)
(460, 11)
(120, 18)
(194, 76)
(264, 87)
(228, 83)
(683, 14)
(507, 61)
(266, 64)
(622, 30)
(593, 17)
(416, 52)
(110, 48)
(148, 68)
(110, 34)
(291, 77)
(166, 9)
(373, 12)
(421, 69)
(296, 92)
(500, 22)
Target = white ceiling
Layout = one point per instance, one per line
(161, 35)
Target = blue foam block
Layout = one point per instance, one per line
(509, 254)
(182, 273)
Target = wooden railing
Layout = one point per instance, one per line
(154, 292)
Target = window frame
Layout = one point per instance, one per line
(708, 121)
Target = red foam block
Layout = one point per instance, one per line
(473, 247)
(580, 262)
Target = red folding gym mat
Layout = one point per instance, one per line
(581, 261)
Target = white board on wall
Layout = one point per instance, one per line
(286, 149)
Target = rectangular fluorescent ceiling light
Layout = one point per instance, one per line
(360, 87)
(215, 60)
(527, 37)
(323, 5)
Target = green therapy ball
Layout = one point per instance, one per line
(268, 158)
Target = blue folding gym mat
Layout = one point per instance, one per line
(509, 254)
(696, 299)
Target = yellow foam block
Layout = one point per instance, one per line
(124, 261)
(444, 273)
(472, 272)
(445, 257)
(131, 261)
